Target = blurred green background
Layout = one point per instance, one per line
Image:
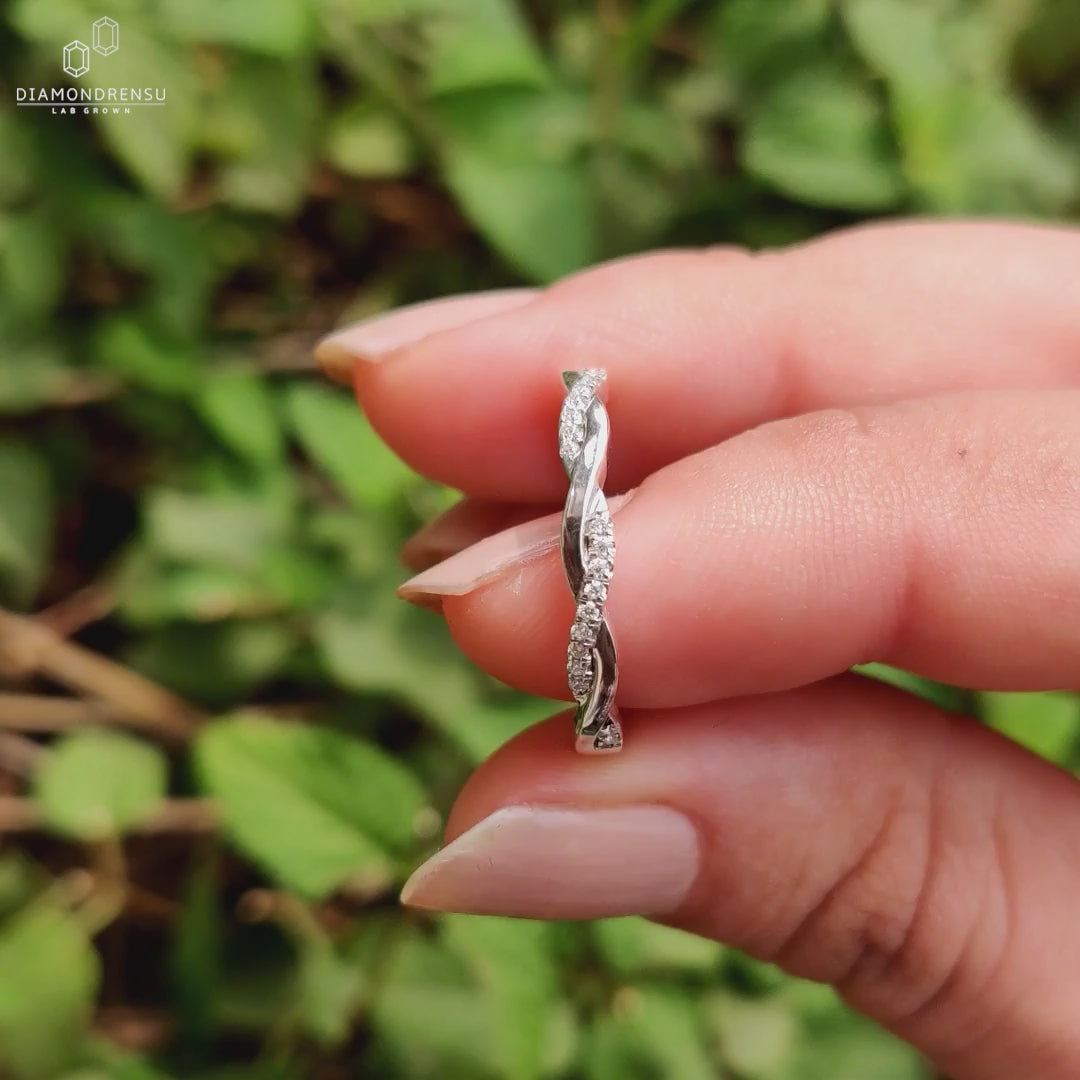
(223, 742)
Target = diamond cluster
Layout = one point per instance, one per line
(588, 550)
(572, 417)
(599, 565)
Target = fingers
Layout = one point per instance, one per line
(918, 862)
(375, 337)
(941, 535)
(701, 345)
(464, 524)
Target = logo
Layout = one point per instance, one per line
(106, 39)
(67, 100)
(106, 36)
(76, 59)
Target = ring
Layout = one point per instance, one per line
(588, 554)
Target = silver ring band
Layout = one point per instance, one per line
(588, 553)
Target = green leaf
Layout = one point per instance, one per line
(368, 141)
(19, 880)
(761, 43)
(854, 1050)
(241, 408)
(195, 958)
(107, 1061)
(821, 137)
(177, 257)
(95, 784)
(436, 1030)
(388, 651)
(336, 436)
(671, 1033)
(996, 158)
(266, 127)
(151, 141)
(838, 1044)
(649, 130)
(1048, 724)
(479, 728)
(638, 202)
(481, 43)
(50, 980)
(632, 945)
(902, 42)
(652, 1031)
(348, 13)
(230, 530)
(645, 25)
(47, 21)
(26, 522)
(944, 696)
(755, 1037)
(133, 350)
(216, 664)
(312, 806)
(530, 198)
(968, 145)
(274, 27)
(17, 178)
(259, 977)
(1050, 44)
(330, 990)
(152, 593)
(32, 252)
(33, 369)
(513, 959)
(434, 1015)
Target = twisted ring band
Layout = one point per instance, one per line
(588, 554)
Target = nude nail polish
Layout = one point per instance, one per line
(555, 862)
(372, 339)
(488, 558)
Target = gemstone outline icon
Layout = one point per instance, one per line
(106, 36)
(76, 58)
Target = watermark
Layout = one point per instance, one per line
(69, 100)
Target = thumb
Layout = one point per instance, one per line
(923, 865)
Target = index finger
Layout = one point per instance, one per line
(702, 345)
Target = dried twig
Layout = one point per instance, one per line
(81, 608)
(47, 713)
(175, 816)
(184, 816)
(27, 647)
(18, 815)
(18, 755)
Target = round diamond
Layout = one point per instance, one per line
(596, 591)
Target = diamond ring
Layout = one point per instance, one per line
(588, 554)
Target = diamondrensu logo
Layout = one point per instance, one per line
(106, 36)
(97, 98)
(76, 58)
(106, 41)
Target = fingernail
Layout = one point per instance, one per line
(371, 339)
(546, 862)
(488, 558)
(464, 524)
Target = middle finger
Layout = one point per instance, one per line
(939, 535)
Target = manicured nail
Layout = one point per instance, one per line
(464, 524)
(546, 862)
(371, 339)
(487, 559)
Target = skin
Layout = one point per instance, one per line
(863, 448)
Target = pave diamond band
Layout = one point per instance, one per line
(588, 552)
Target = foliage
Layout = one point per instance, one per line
(202, 513)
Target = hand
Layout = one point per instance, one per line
(864, 448)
